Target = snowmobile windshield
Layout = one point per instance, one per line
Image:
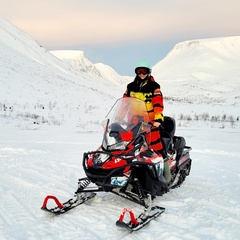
(127, 119)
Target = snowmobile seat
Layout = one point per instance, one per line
(167, 131)
(179, 144)
(169, 126)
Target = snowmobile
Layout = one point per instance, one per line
(125, 165)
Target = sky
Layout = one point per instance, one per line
(121, 33)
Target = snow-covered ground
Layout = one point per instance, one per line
(48, 162)
(51, 112)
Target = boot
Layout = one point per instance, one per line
(166, 171)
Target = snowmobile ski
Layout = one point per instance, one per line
(78, 199)
(141, 221)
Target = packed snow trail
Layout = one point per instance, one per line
(48, 162)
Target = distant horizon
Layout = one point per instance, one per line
(120, 58)
(120, 33)
(105, 54)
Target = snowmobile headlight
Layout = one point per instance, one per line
(97, 161)
(101, 158)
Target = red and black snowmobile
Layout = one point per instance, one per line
(126, 166)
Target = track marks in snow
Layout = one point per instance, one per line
(204, 207)
(14, 213)
(210, 205)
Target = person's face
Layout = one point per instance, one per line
(142, 76)
(142, 72)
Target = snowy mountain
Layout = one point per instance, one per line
(64, 87)
(37, 86)
(79, 62)
(40, 91)
(203, 71)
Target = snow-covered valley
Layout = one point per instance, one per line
(51, 109)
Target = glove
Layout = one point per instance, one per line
(156, 124)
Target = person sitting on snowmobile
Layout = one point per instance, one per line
(145, 88)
